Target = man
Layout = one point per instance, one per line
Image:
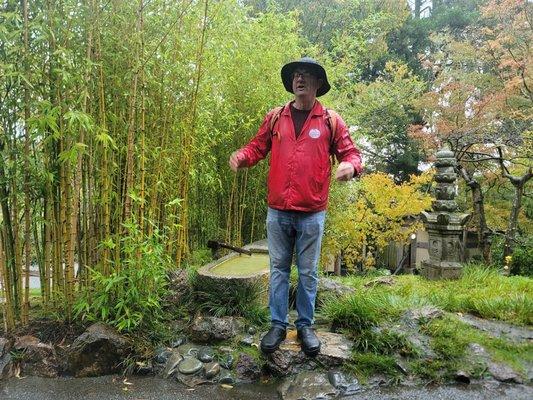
(300, 139)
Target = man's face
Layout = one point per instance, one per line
(304, 83)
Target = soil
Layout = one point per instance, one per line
(49, 331)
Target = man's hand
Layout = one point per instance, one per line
(345, 171)
(234, 161)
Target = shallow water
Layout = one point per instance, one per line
(242, 265)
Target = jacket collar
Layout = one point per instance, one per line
(318, 108)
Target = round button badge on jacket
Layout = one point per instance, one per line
(314, 133)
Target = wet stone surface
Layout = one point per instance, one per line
(97, 351)
(206, 329)
(172, 364)
(499, 329)
(247, 340)
(212, 369)
(247, 369)
(190, 381)
(161, 355)
(178, 342)
(289, 359)
(226, 377)
(226, 361)
(345, 384)
(38, 358)
(206, 354)
(307, 385)
(189, 366)
(189, 350)
(498, 371)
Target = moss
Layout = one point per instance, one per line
(252, 351)
(450, 339)
(447, 338)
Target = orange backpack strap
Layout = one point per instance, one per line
(332, 119)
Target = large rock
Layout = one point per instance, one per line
(247, 369)
(289, 359)
(179, 286)
(37, 358)
(97, 351)
(500, 372)
(208, 329)
(328, 286)
(499, 329)
(421, 315)
(6, 361)
(503, 373)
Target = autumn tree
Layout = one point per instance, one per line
(481, 101)
(367, 215)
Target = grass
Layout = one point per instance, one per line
(367, 315)
(231, 298)
(363, 365)
(359, 312)
(481, 291)
(450, 339)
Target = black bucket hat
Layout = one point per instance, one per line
(314, 67)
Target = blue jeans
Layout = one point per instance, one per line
(289, 232)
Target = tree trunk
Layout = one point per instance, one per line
(510, 234)
(478, 203)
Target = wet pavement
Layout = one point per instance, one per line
(147, 388)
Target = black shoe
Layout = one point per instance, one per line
(309, 340)
(273, 339)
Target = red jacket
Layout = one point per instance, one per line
(300, 168)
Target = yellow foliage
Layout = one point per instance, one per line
(365, 216)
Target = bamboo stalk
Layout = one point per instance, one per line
(7, 305)
(183, 231)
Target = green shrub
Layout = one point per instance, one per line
(130, 297)
(522, 257)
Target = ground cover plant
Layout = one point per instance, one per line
(376, 317)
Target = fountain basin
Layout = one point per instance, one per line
(239, 270)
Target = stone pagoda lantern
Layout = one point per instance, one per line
(444, 224)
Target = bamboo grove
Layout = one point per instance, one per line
(124, 112)
(117, 119)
